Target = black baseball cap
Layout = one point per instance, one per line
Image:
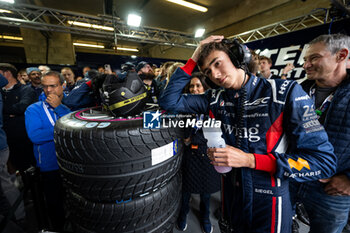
(141, 64)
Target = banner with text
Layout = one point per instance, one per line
(291, 47)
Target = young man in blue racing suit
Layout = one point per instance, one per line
(271, 133)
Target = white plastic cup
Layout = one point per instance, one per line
(215, 140)
(222, 169)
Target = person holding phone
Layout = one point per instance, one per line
(108, 69)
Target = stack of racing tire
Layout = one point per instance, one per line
(119, 176)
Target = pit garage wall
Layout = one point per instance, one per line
(94, 60)
(56, 49)
(290, 47)
(283, 49)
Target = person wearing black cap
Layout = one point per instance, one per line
(145, 72)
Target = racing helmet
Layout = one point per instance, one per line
(124, 97)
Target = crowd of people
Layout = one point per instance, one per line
(287, 143)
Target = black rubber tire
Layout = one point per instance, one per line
(166, 227)
(156, 212)
(113, 163)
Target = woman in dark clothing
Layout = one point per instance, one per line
(199, 176)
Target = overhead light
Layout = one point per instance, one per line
(134, 20)
(89, 45)
(190, 44)
(5, 11)
(89, 25)
(199, 32)
(189, 5)
(128, 49)
(11, 37)
(8, 1)
(133, 56)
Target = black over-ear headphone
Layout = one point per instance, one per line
(239, 53)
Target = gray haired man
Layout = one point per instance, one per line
(327, 201)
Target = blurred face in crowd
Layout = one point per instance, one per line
(68, 76)
(101, 70)
(147, 72)
(52, 85)
(264, 65)
(23, 76)
(196, 86)
(319, 63)
(43, 69)
(7, 74)
(163, 71)
(86, 69)
(219, 68)
(3, 73)
(254, 64)
(157, 72)
(147, 69)
(35, 77)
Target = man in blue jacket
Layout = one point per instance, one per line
(271, 133)
(327, 201)
(40, 119)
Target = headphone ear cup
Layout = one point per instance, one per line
(247, 55)
(239, 53)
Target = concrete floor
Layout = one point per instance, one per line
(193, 218)
(193, 223)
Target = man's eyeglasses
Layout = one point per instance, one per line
(52, 86)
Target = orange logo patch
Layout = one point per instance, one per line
(298, 164)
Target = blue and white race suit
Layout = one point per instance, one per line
(279, 127)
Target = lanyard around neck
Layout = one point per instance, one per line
(320, 110)
(52, 121)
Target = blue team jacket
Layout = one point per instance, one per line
(280, 128)
(337, 123)
(41, 132)
(3, 142)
